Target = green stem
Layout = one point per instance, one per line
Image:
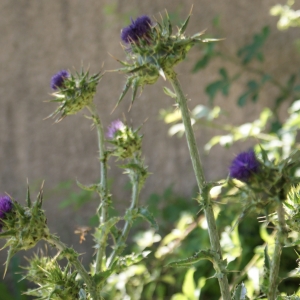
(123, 237)
(103, 188)
(53, 240)
(279, 242)
(209, 214)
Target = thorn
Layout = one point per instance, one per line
(162, 74)
(161, 16)
(191, 9)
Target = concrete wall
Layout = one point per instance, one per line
(38, 38)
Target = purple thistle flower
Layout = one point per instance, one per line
(57, 80)
(244, 166)
(5, 207)
(136, 30)
(113, 128)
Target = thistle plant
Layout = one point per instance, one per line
(23, 227)
(154, 51)
(267, 190)
(263, 185)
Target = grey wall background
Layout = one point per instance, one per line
(38, 38)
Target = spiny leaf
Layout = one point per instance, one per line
(145, 214)
(170, 29)
(28, 200)
(124, 91)
(128, 260)
(184, 25)
(168, 92)
(7, 234)
(187, 262)
(135, 85)
(102, 276)
(90, 188)
(267, 258)
(240, 292)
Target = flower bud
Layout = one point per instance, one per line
(52, 279)
(267, 183)
(24, 226)
(73, 92)
(127, 141)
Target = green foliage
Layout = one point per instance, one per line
(288, 16)
(253, 50)
(240, 293)
(18, 286)
(249, 61)
(221, 85)
(74, 199)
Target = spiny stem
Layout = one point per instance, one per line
(103, 188)
(123, 237)
(197, 166)
(53, 240)
(279, 241)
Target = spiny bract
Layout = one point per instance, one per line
(76, 92)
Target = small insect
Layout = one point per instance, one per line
(82, 230)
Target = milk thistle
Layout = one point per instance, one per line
(73, 92)
(155, 53)
(127, 141)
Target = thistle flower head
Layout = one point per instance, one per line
(113, 128)
(138, 29)
(51, 278)
(25, 226)
(127, 141)
(154, 51)
(73, 92)
(57, 80)
(244, 166)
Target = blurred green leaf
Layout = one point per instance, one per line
(189, 287)
(240, 292)
(253, 50)
(208, 53)
(222, 85)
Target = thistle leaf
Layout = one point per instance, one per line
(240, 292)
(187, 262)
(145, 214)
(28, 200)
(184, 25)
(90, 188)
(169, 93)
(124, 91)
(135, 85)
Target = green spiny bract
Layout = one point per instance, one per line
(24, 226)
(127, 142)
(53, 281)
(156, 54)
(292, 208)
(76, 93)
